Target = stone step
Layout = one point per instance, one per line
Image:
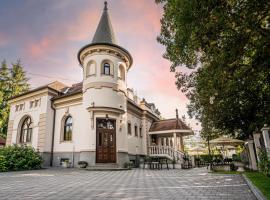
(105, 167)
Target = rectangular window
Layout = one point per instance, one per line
(129, 128)
(31, 104)
(21, 106)
(106, 68)
(136, 130)
(140, 131)
(36, 103)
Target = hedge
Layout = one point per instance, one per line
(16, 157)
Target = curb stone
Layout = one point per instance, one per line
(254, 189)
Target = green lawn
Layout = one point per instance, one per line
(261, 181)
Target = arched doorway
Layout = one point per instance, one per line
(106, 141)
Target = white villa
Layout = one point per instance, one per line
(98, 120)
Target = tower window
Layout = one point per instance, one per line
(106, 69)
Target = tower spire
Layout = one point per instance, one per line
(104, 32)
(105, 5)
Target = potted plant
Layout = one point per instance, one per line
(238, 162)
(82, 164)
(128, 165)
(65, 163)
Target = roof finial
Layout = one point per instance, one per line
(176, 113)
(105, 5)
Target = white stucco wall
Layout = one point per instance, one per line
(34, 113)
(82, 135)
(135, 143)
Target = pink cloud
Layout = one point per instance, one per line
(4, 40)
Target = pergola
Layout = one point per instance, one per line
(169, 132)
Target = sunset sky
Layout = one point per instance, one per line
(46, 36)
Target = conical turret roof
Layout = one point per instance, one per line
(104, 32)
(104, 35)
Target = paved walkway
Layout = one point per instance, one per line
(134, 184)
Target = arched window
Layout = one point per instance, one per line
(121, 72)
(106, 69)
(68, 129)
(26, 130)
(90, 68)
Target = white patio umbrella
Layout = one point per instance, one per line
(198, 149)
(226, 142)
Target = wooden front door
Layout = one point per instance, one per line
(106, 141)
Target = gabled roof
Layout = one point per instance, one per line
(169, 124)
(55, 86)
(104, 32)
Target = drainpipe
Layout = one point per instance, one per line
(52, 147)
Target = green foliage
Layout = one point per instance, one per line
(206, 158)
(264, 163)
(236, 157)
(3, 164)
(261, 181)
(19, 158)
(225, 48)
(128, 165)
(83, 164)
(13, 82)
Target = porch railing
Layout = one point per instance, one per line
(166, 151)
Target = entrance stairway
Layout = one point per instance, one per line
(166, 152)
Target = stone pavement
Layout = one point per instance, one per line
(57, 184)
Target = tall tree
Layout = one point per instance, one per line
(19, 81)
(226, 46)
(13, 81)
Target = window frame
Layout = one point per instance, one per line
(26, 132)
(106, 65)
(135, 130)
(67, 137)
(129, 129)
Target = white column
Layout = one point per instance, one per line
(181, 143)
(265, 133)
(253, 162)
(174, 141)
(256, 137)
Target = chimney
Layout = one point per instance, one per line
(176, 113)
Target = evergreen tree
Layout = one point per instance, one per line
(13, 82)
(19, 81)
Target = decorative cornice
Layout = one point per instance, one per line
(111, 49)
(106, 109)
(74, 99)
(34, 93)
(100, 85)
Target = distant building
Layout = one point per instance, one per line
(99, 120)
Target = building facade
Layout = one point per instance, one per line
(99, 120)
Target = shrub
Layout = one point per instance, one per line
(264, 163)
(3, 164)
(20, 158)
(128, 165)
